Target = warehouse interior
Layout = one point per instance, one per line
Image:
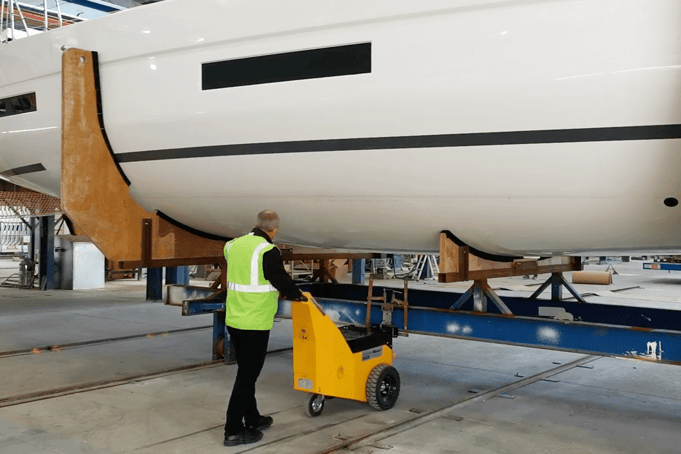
(113, 336)
(104, 370)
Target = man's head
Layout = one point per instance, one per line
(268, 222)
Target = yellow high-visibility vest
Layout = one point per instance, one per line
(251, 299)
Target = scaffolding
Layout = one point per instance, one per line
(18, 19)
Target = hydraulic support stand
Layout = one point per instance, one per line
(557, 282)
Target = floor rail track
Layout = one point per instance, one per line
(19, 399)
(423, 418)
(29, 351)
(357, 442)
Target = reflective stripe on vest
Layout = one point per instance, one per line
(251, 288)
(255, 263)
(254, 287)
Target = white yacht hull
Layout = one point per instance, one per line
(523, 127)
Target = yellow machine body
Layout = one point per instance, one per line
(323, 363)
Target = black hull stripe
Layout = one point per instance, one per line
(478, 252)
(433, 141)
(23, 170)
(192, 230)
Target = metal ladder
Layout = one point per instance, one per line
(429, 261)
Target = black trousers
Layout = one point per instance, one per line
(250, 347)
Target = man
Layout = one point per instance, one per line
(255, 276)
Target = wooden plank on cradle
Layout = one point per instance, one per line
(288, 256)
(476, 263)
(159, 263)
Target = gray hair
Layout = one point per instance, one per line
(268, 221)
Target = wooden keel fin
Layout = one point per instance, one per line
(95, 194)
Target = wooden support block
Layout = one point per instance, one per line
(453, 261)
(449, 257)
(458, 263)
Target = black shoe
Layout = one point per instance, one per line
(263, 423)
(244, 437)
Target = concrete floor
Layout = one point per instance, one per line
(611, 405)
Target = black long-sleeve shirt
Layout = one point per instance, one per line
(273, 270)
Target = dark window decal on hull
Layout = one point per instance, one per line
(15, 105)
(616, 134)
(301, 65)
(33, 168)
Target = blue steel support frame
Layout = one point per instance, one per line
(480, 291)
(154, 284)
(556, 288)
(531, 332)
(46, 269)
(651, 334)
(662, 266)
(32, 245)
(214, 303)
(220, 334)
(358, 271)
(177, 275)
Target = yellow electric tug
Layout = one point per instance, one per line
(349, 362)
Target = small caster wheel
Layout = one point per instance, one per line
(383, 387)
(314, 405)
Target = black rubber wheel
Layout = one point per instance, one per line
(314, 405)
(383, 387)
